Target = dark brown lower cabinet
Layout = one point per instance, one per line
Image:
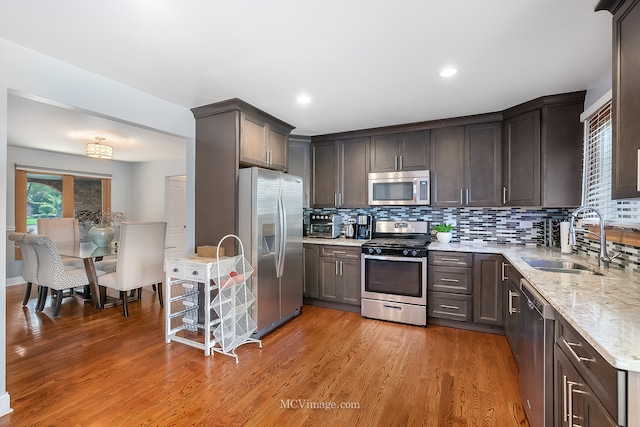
(574, 401)
(339, 274)
(488, 295)
(310, 255)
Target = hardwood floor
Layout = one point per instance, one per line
(88, 368)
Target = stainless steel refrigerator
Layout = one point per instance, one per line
(270, 224)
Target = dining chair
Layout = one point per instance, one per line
(51, 270)
(62, 231)
(140, 261)
(29, 263)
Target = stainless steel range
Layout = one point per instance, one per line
(394, 272)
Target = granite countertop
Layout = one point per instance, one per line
(340, 241)
(605, 310)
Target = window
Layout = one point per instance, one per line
(42, 193)
(596, 187)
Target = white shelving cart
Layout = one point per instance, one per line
(208, 302)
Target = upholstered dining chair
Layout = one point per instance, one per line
(62, 231)
(51, 271)
(140, 260)
(29, 264)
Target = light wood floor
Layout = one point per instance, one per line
(88, 368)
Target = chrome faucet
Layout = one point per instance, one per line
(604, 259)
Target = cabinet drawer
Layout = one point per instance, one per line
(449, 306)
(454, 259)
(187, 271)
(450, 279)
(340, 252)
(603, 378)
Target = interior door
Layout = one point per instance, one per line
(175, 213)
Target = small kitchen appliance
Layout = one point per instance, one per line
(364, 226)
(325, 226)
(350, 229)
(394, 272)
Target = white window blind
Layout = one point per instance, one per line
(596, 188)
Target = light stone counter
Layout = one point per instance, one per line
(605, 310)
(340, 241)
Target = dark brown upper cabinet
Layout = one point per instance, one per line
(542, 152)
(229, 134)
(340, 172)
(400, 152)
(625, 106)
(466, 165)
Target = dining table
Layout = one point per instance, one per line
(88, 252)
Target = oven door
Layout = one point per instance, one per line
(394, 278)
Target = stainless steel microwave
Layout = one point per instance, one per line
(399, 188)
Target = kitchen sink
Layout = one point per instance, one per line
(561, 266)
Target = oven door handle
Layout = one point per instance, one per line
(393, 258)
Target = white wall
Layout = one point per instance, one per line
(148, 188)
(26, 71)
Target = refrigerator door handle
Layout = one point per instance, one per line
(281, 235)
(285, 233)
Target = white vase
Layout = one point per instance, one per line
(443, 237)
(102, 235)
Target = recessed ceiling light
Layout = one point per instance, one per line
(303, 99)
(448, 72)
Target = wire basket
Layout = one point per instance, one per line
(232, 300)
(230, 271)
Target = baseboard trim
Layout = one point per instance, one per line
(12, 281)
(5, 404)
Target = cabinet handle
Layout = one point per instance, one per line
(339, 252)
(335, 199)
(395, 162)
(392, 307)
(512, 309)
(504, 274)
(451, 259)
(336, 267)
(444, 279)
(467, 196)
(450, 307)
(341, 268)
(194, 273)
(401, 162)
(504, 195)
(461, 202)
(175, 270)
(570, 345)
(339, 199)
(564, 397)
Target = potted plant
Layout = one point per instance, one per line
(443, 232)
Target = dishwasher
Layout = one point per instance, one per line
(535, 347)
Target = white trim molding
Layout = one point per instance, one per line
(5, 404)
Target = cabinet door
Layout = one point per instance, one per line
(310, 279)
(414, 151)
(253, 140)
(354, 170)
(350, 281)
(278, 148)
(592, 413)
(511, 316)
(483, 164)
(328, 279)
(325, 174)
(487, 289)
(299, 164)
(385, 154)
(447, 166)
(522, 159)
(565, 379)
(626, 109)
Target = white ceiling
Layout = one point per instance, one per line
(364, 63)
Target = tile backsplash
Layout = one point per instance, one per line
(520, 226)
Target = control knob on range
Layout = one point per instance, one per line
(378, 251)
(414, 252)
(370, 250)
(405, 252)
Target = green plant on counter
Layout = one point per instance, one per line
(443, 228)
